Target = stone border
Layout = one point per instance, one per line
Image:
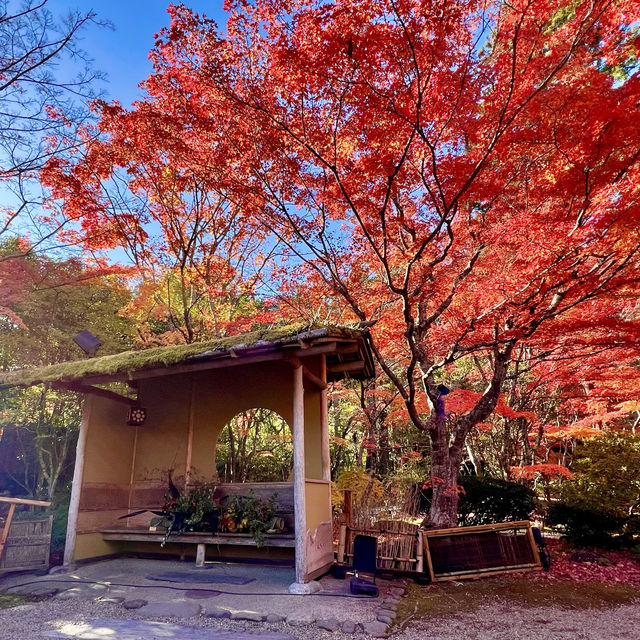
(385, 615)
(378, 628)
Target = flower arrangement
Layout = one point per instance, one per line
(249, 514)
(200, 510)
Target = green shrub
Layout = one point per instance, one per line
(597, 506)
(489, 500)
(607, 474)
(583, 526)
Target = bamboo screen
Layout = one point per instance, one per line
(399, 545)
(468, 551)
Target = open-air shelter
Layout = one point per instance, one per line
(188, 394)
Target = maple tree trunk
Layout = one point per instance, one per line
(445, 464)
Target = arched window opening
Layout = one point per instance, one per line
(255, 446)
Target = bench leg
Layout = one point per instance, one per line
(200, 552)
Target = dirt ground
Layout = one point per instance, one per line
(519, 607)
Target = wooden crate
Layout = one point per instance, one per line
(27, 546)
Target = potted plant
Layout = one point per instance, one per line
(249, 514)
(196, 510)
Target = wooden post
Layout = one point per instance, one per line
(342, 543)
(347, 507)
(299, 488)
(133, 469)
(201, 550)
(324, 425)
(420, 553)
(192, 410)
(7, 526)
(76, 487)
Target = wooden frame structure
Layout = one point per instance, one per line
(6, 530)
(189, 393)
(488, 555)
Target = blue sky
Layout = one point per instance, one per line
(121, 52)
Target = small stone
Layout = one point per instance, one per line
(274, 617)
(135, 604)
(298, 620)
(254, 616)
(329, 625)
(304, 588)
(217, 612)
(170, 610)
(110, 599)
(397, 591)
(383, 617)
(389, 606)
(348, 626)
(376, 629)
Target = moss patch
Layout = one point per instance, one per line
(447, 599)
(10, 600)
(129, 361)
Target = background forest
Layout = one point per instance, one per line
(462, 180)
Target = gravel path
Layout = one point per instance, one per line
(501, 622)
(494, 621)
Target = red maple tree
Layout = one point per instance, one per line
(465, 175)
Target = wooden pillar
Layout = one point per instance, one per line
(132, 474)
(324, 424)
(192, 412)
(76, 487)
(299, 489)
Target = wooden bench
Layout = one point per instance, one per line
(199, 539)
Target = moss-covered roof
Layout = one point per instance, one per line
(130, 361)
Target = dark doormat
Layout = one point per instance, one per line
(199, 577)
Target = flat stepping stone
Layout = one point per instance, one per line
(300, 619)
(382, 617)
(217, 612)
(328, 625)
(136, 603)
(348, 626)
(37, 590)
(82, 591)
(170, 610)
(254, 616)
(102, 628)
(274, 618)
(376, 629)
